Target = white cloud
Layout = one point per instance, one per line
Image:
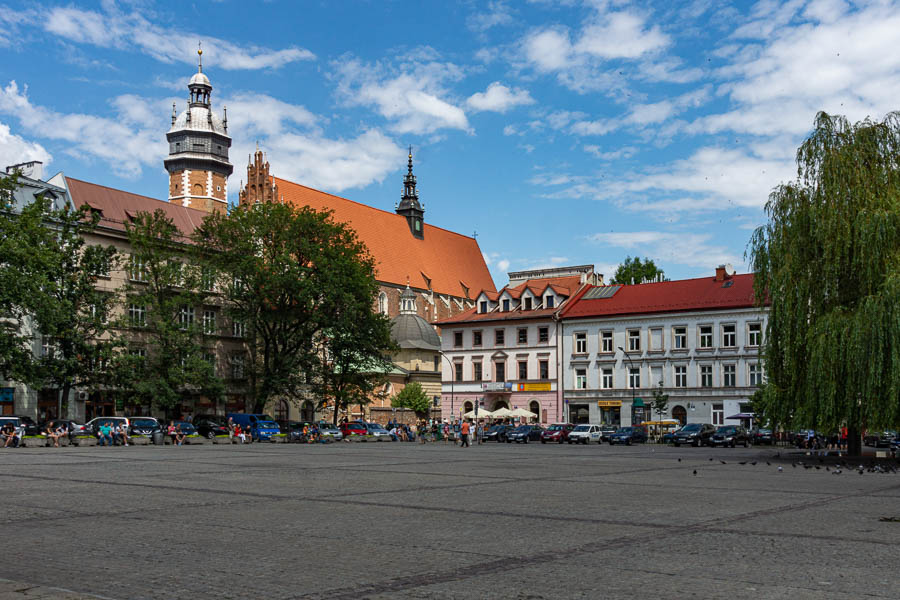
(497, 14)
(411, 95)
(116, 29)
(15, 150)
(624, 152)
(678, 248)
(499, 98)
(503, 265)
(620, 35)
(548, 50)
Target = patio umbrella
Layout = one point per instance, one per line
(501, 413)
(482, 414)
(521, 412)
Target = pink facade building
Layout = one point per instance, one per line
(504, 352)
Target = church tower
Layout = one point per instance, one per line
(261, 186)
(409, 205)
(198, 150)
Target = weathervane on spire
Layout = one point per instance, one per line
(200, 59)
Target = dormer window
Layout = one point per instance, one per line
(506, 305)
(549, 301)
(483, 308)
(528, 303)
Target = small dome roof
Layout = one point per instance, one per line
(199, 79)
(200, 120)
(412, 331)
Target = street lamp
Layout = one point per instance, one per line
(452, 377)
(631, 368)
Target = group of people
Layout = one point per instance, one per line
(110, 434)
(434, 430)
(10, 436)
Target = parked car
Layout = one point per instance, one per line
(607, 430)
(585, 434)
(379, 432)
(895, 447)
(143, 426)
(261, 426)
(209, 426)
(669, 437)
(695, 434)
(758, 435)
(497, 433)
(72, 427)
(31, 428)
(93, 426)
(185, 427)
(558, 432)
(354, 428)
(730, 435)
(628, 436)
(879, 439)
(524, 434)
(330, 431)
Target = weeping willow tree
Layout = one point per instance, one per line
(828, 262)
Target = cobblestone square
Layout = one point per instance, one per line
(392, 520)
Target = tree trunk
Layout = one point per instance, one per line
(854, 441)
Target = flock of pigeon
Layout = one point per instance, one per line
(839, 467)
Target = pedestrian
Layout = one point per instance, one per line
(464, 435)
(230, 430)
(479, 432)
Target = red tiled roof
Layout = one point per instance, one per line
(118, 207)
(447, 258)
(704, 293)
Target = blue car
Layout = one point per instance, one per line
(262, 427)
(628, 436)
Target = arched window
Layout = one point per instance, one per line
(679, 413)
(307, 412)
(281, 410)
(198, 189)
(535, 407)
(468, 407)
(382, 303)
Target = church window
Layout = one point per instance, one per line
(418, 225)
(198, 189)
(382, 303)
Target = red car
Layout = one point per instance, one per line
(353, 428)
(558, 432)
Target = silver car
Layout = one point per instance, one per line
(330, 431)
(585, 434)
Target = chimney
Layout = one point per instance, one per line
(724, 272)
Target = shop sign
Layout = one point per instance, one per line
(609, 403)
(6, 395)
(533, 387)
(497, 386)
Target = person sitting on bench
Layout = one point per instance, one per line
(53, 434)
(10, 435)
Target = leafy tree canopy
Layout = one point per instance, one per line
(412, 397)
(828, 262)
(635, 270)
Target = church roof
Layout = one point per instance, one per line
(202, 119)
(412, 331)
(444, 261)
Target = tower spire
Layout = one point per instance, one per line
(409, 205)
(199, 58)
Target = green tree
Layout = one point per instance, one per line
(302, 286)
(660, 401)
(412, 397)
(828, 263)
(169, 359)
(635, 270)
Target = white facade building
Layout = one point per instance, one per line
(699, 338)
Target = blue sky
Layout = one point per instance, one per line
(561, 132)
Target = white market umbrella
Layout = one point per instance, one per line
(502, 413)
(521, 412)
(482, 414)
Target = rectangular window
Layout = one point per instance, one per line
(706, 336)
(499, 337)
(237, 366)
(208, 279)
(728, 378)
(48, 347)
(706, 376)
(138, 352)
(457, 371)
(718, 414)
(581, 343)
(523, 369)
(681, 376)
(550, 301)
(210, 358)
(545, 369)
(634, 377)
(606, 342)
(580, 379)
(457, 339)
(634, 340)
(500, 371)
(209, 322)
(237, 328)
(476, 338)
(137, 315)
(477, 375)
(543, 334)
(528, 303)
(186, 317)
(754, 334)
(656, 338)
(729, 337)
(101, 269)
(754, 374)
(522, 334)
(679, 338)
(505, 305)
(100, 311)
(136, 269)
(606, 381)
(483, 308)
